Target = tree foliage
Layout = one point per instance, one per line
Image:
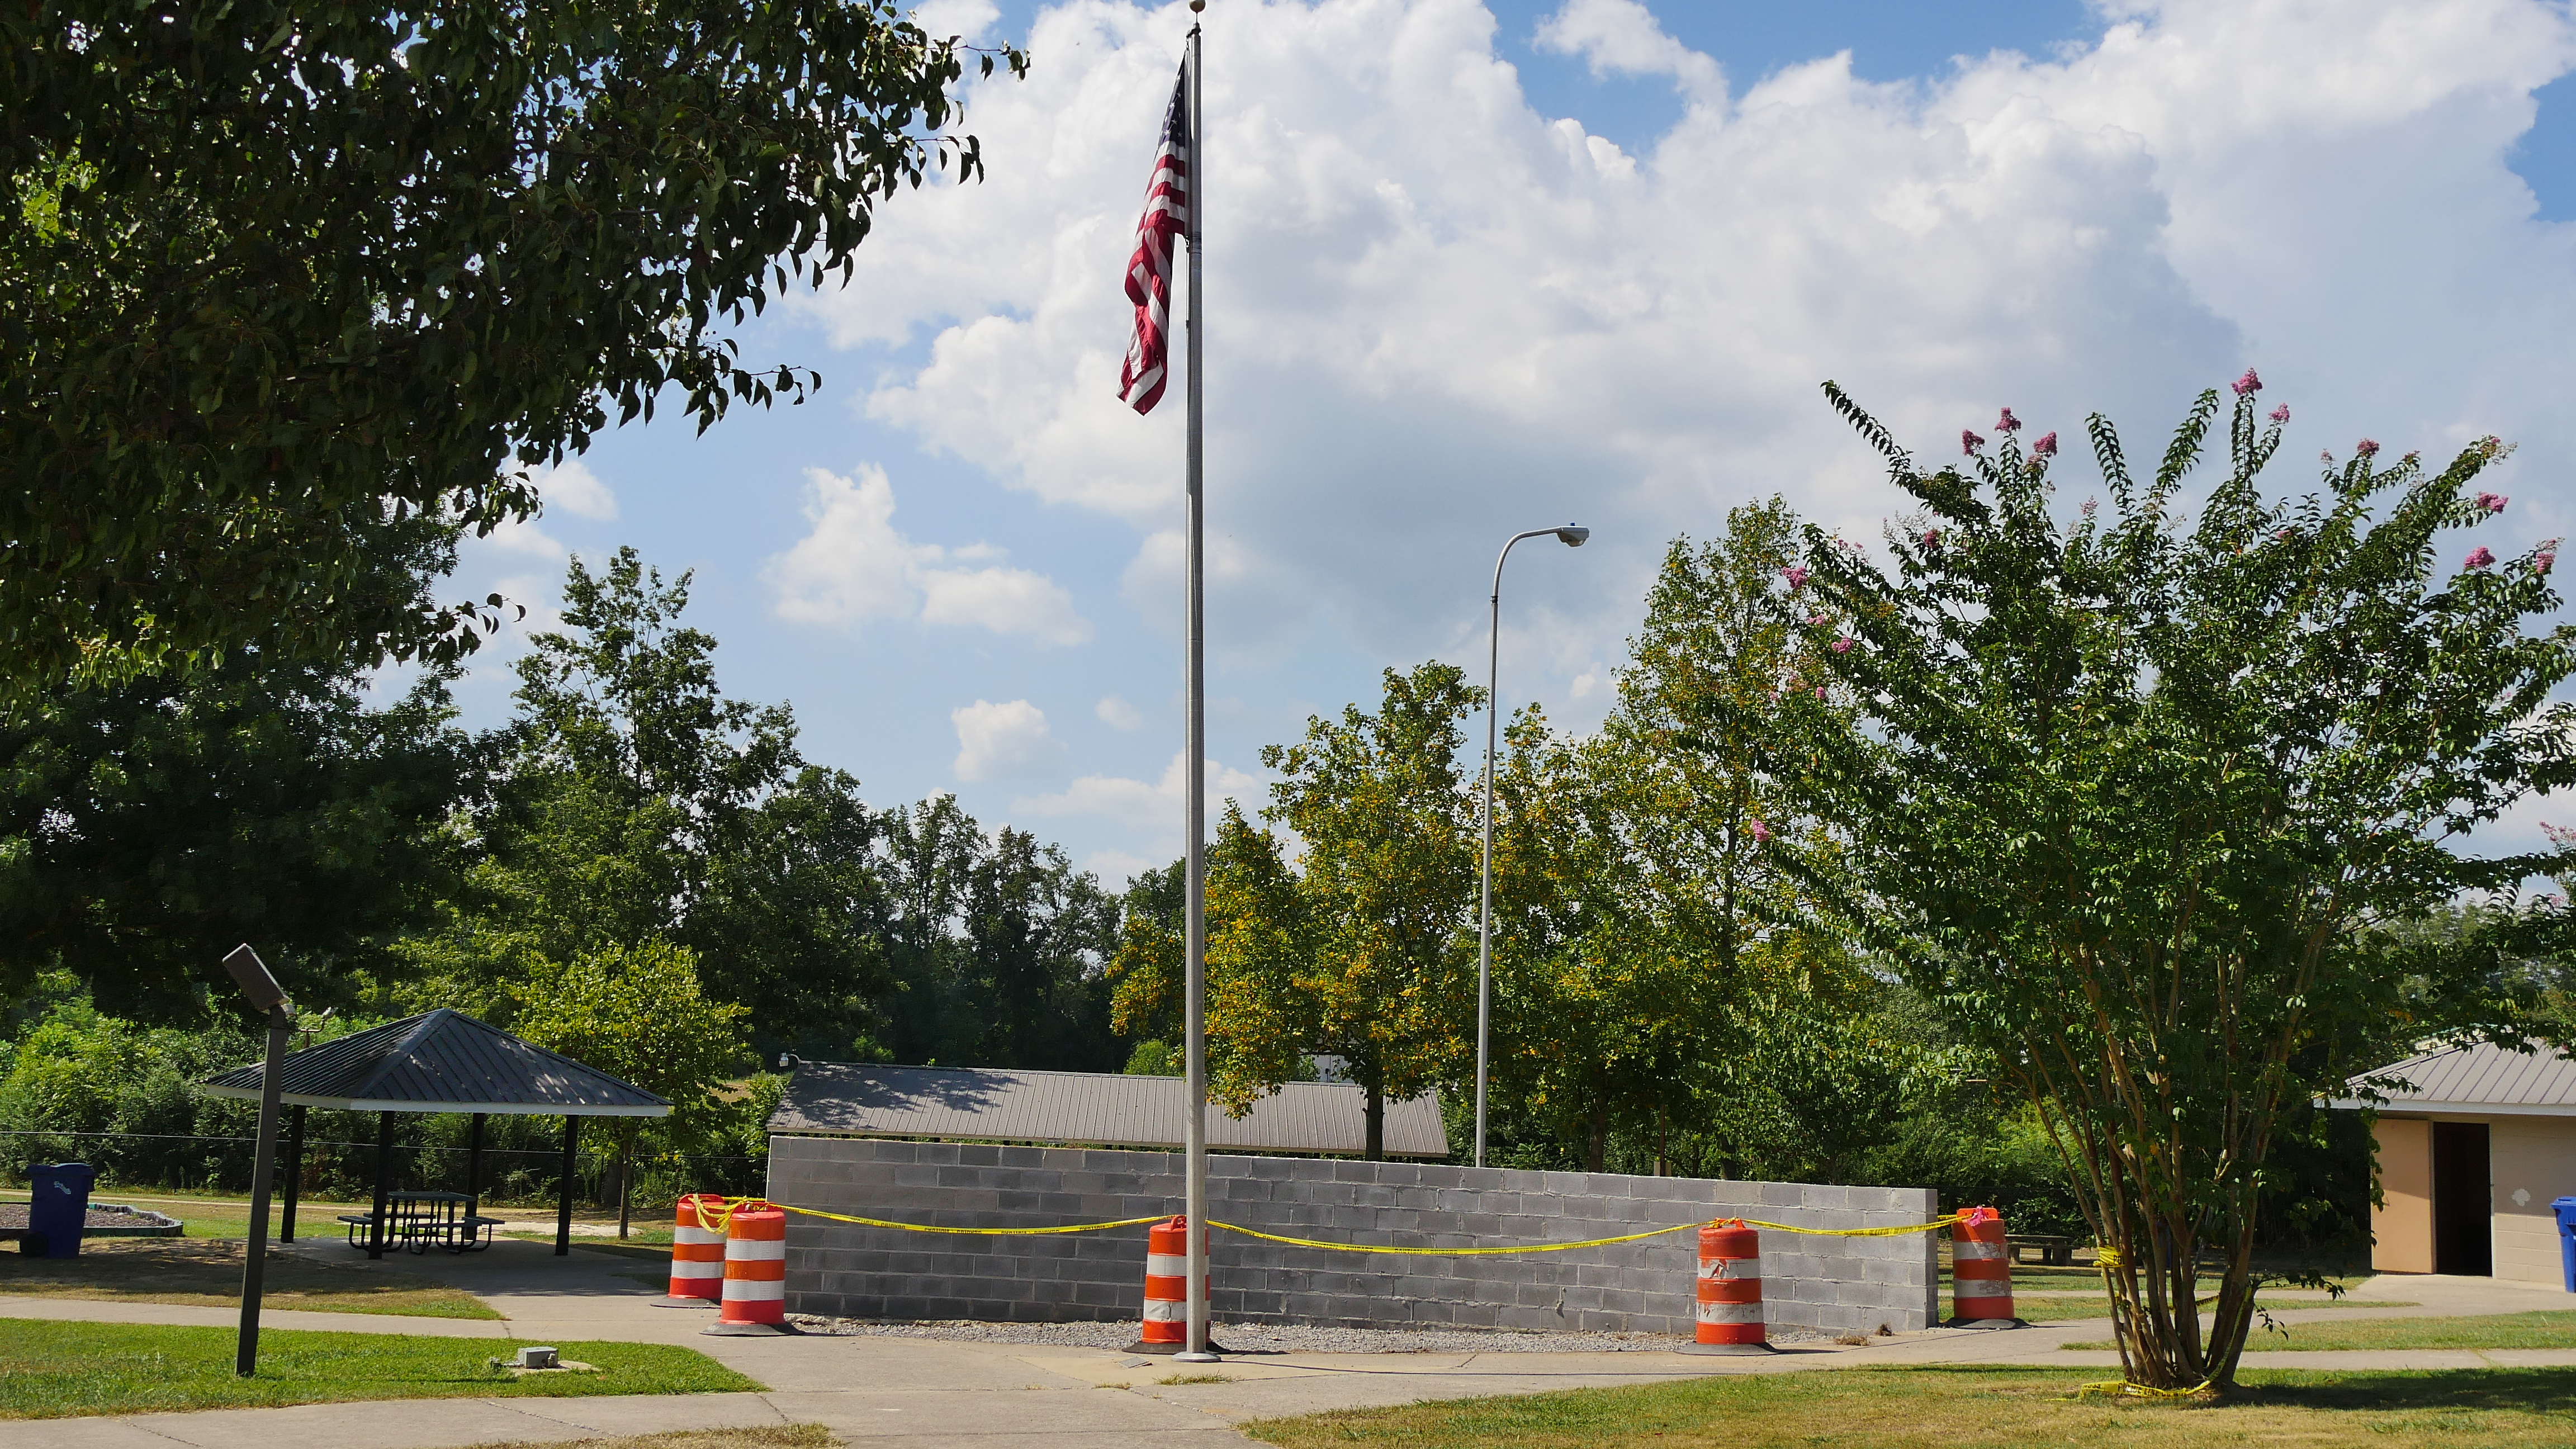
(2122, 792)
(271, 272)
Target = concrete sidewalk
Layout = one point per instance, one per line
(909, 1393)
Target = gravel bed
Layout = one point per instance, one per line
(101, 1215)
(1267, 1337)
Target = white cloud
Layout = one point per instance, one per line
(1437, 315)
(1148, 808)
(523, 536)
(855, 567)
(964, 19)
(996, 741)
(1118, 714)
(1622, 37)
(572, 487)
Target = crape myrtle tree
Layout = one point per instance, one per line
(2124, 791)
(270, 270)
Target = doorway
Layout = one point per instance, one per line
(2463, 1201)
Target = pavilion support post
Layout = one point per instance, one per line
(474, 1167)
(563, 1204)
(294, 1175)
(379, 1229)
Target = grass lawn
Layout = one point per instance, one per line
(773, 1436)
(50, 1370)
(1976, 1409)
(208, 1274)
(2555, 1329)
(223, 1215)
(2069, 1310)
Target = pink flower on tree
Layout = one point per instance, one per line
(1760, 832)
(1815, 618)
(2046, 447)
(2089, 506)
(1796, 574)
(1931, 538)
(2366, 448)
(2547, 558)
(1820, 691)
(2480, 558)
(2249, 383)
(2492, 502)
(2281, 414)
(1969, 442)
(2007, 423)
(1843, 645)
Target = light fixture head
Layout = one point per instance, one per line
(1573, 535)
(251, 975)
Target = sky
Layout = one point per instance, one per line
(1473, 269)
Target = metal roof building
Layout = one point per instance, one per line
(2473, 1143)
(441, 1061)
(1097, 1109)
(438, 1061)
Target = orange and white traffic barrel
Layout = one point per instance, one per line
(1730, 1290)
(755, 1273)
(697, 1252)
(1981, 1269)
(1167, 1288)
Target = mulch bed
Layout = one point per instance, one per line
(101, 1215)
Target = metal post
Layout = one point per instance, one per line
(281, 1024)
(1572, 536)
(474, 1169)
(294, 1173)
(1194, 783)
(381, 1230)
(563, 1203)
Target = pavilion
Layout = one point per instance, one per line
(439, 1061)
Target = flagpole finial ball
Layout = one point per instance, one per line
(1197, 5)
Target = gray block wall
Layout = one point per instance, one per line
(838, 1270)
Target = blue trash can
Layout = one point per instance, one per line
(2565, 1207)
(60, 1206)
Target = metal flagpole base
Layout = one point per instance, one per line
(1986, 1323)
(1729, 1350)
(1178, 1352)
(752, 1330)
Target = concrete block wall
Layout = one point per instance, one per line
(1809, 1283)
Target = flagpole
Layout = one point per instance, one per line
(1195, 772)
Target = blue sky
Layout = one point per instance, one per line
(1474, 271)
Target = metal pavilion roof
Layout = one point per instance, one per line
(991, 1104)
(2484, 1080)
(441, 1061)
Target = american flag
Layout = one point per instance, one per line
(1149, 270)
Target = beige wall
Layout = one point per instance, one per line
(2535, 1156)
(2401, 1227)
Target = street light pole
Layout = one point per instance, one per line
(251, 975)
(1572, 536)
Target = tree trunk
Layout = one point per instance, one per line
(625, 1181)
(1376, 1147)
(1596, 1141)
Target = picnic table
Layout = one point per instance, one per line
(422, 1220)
(2055, 1251)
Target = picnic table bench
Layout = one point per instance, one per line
(422, 1220)
(2055, 1250)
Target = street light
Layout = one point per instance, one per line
(1572, 536)
(266, 996)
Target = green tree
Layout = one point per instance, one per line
(147, 828)
(635, 800)
(2123, 792)
(271, 272)
(1357, 948)
(637, 1013)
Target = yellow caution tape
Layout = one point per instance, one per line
(975, 1232)
(2123, 1389)
(724, 1218)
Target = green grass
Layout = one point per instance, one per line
(207, 1274)
(2072, 1310)
(1976, 1409)
(2552, 1329)
(55, 1369)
